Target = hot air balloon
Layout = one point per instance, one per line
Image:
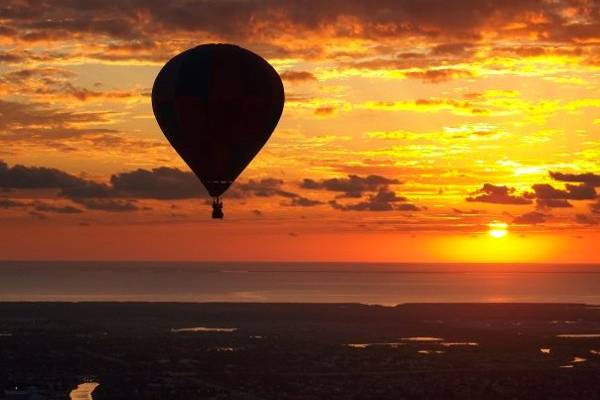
(217, 104)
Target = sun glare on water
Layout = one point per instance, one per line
(498, 229)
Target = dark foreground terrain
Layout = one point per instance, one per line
(300, 351)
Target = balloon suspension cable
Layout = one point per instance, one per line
(217, 212)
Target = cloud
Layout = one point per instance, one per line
(55, 83)
(136, 19)
(70, 186)
(39, 206)
(460, 48)
(298, 76)
(159, 183)
(8, 203)
(585, 219)
(39, 124)
(88, 189)
(325, 110)
(266, 187)
(589, 178)
(21, 177)
(149, 29)
(595, 207)
(497, 195)
(531, 218)
(300, 201)
(352, 186)
(269, 187)
(16, 116)
(45, 207)
(432, 105)
(383, 200)
(571, 192)
(380, 197)
(439, 75)
(111, 205)
(38, 215)
(468, 212)
(553, 203)
(90, 194)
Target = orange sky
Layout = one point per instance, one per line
(409, 127)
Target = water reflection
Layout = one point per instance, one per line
(545, 351)
(435, 340)
(83, 391)
(365, 345)
(225, 349)
(452, 344)
(579, 335)
(203, 329)
(575, 360)
(431, 351)
(423, 339)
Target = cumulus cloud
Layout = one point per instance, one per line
(300, 201)
(439, 75)
(383, 200)
(265, 187)
(159, 183)
(39, 124)
(585, 219)
(50, 208)
(39, 206)
(490, 193)
(571, 192)
(87, 189)
(111, 205)
(8, 203)
(146, 29)
(298, 76)
(468, 212)
(137, 19)
(41, 118)
(553, 203)
(352, 186)
(120, 193)
(90, 194)
(269, 187)
(22, 177)
(379, 196)
(459, 48)
(56, 83)
(325, 110)
(588, 178)
(531, 218)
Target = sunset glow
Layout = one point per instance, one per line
(405, 128)
(498, 229)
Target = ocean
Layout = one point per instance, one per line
(386, 284)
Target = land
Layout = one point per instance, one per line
(300, 351)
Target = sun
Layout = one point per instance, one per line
(498, 229)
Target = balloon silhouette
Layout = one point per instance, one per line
(217, 104)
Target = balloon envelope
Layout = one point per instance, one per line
(217, 104)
